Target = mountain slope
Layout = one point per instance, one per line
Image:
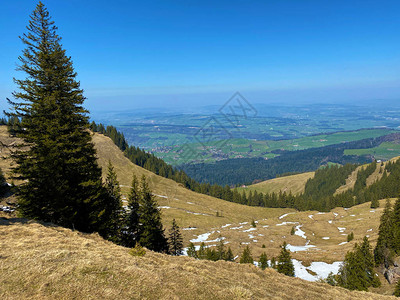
(293, 183)
(58, 263)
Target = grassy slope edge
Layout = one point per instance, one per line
(58, 263)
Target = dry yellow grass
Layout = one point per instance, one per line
(293, 183)
(198, 211)
(48, 262)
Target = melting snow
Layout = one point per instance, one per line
(189, 228)
(320, 213)
(352, 215)
(251, 236)
(310, 216)
(372, 211)
(335, 214)
(322, 269)
(202, 237)
(326, 238)
(369, 230)
(342, 243)
(265, 226)
(165, 207)
(251, 229)
(226, 225)
(341, 229)
(284, 215)
(286, 223)
(300, 232)
(243, 223)
(240, 227)
(292, 248)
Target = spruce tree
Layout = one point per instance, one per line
(397, 289)
(384, 249)
(229, 255)
(191, 251)
(201, 254)
(374, 203)
(175, 240)
(220, 249)
(130, 233)
(62, 181)
(151, 229)
(357, 272)
(114, 195)
(246, 257)
(263, 262)
(285, 265)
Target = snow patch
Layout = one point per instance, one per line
(292, 248)
(341, 229)
(189, 228)
(202, 237)
(240, 227)
(226, 225)
(251, 229)
(322, 269)
(342, 243)
(300, 232)
(326, 238)
(165, 207)
(286, 223)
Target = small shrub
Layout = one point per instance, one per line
(137, 251)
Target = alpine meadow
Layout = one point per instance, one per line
(200, 150)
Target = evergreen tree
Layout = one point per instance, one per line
(273, 263)
(220, 249)
(62, 181)
(229, 255)
(130, 234)
(350, 237)
(397, 289)
(263, 262)
(191, 251)
(201, 254)
(114, 195)
(151, 230)
(368, 262)
(384, 249)
(246, 257)
(356, 272)
(285, 264)
(374, 203)
(175, 240)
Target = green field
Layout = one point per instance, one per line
(244, 148)
(384, 151)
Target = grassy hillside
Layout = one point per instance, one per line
(58, 263)
(293, 183)
(196, 214)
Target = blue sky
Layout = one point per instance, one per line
(134, 54)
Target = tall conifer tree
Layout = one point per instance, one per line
(62, 179)
(151, 229)
(285, 265)
(175, 240)
(130, 234)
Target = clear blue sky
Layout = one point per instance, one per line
(131, 54)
